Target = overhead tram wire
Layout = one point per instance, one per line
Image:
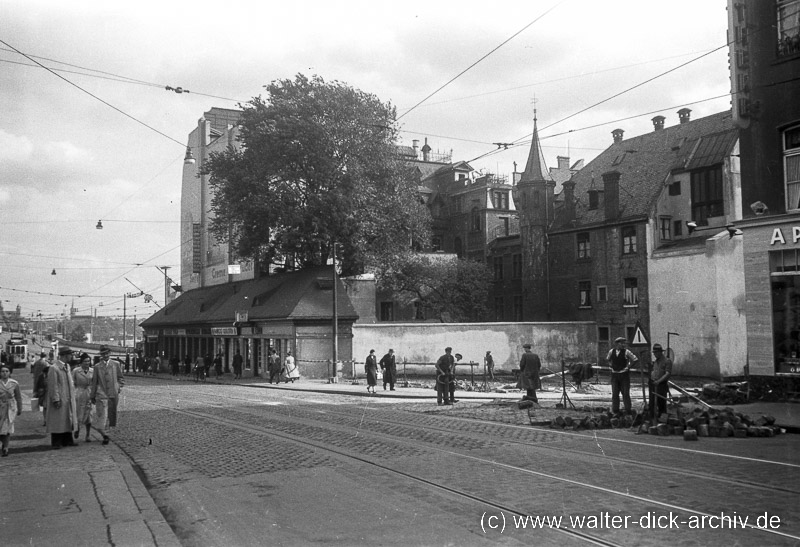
(457, 76)
(101, 74)
(182, 145)
(727, 44)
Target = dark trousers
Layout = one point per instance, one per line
(445, 389)
(61, 439)
(275, 375)
(531, 395)
(620, 383)
(658, 398)
(388, 378)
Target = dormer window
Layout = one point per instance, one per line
(594, 200)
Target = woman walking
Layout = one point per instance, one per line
(371, 368)
(82, 376)
(10, 405)
(292, 372)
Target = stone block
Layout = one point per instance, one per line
(652, 430)
(702, 430)
(690, 435)
(740, 433)
(662, 429)
(522, 405)
(678, 430)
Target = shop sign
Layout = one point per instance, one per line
(779, 237)
(251, 330)
(152, 338)
(224, 331)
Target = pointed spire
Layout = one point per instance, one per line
(535, 170)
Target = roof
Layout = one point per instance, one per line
(301, 295)
(646, 162)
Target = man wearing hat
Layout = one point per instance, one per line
(529, 367)
(38, 367)
(445, 366)
(620, 360)
(62, 418)
(658, 382)
(489, 361)
(107, 382)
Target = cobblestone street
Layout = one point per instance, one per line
(237, 465)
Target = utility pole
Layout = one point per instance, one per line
(166, 283)
(335, 319)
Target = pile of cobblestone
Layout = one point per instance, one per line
(710, 422)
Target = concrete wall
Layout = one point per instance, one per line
(699, 293)
(425, 342)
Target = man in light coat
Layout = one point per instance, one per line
(107, 382)
(62, 415)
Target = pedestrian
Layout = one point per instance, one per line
(444, 369)
(274, 366)
(10, 405)
(237, 365)
(659, 382)
(290, 367)
(174, 365)
(218, 365)
(187, 365)
(61, 417)
(107, 382)
(40, 392)
(620, 359)
(38, 367)
(389, 369)
(207, 362)
(371, 368)
(489, 361)
(200, 369)
(128, 363)
(529, 367)
(82, 378)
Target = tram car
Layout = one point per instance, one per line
(17, 350)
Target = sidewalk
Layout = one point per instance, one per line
(89, 494)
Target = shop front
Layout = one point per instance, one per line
(772, 284)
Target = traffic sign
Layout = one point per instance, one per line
(639, 338)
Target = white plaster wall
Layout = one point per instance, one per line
(425, 342)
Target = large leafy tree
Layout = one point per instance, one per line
(443, 286)
(317, 165)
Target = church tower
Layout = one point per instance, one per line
(533, 198)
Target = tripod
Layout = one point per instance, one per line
(565, 400)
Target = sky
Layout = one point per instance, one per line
(98, 137)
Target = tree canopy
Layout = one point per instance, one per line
(317, 164)
(443, 286)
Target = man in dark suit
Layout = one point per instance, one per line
(389, 368)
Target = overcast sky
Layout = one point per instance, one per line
(68, 160)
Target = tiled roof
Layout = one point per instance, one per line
(288, 296)
(645, 163)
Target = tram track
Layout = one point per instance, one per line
(284, 426)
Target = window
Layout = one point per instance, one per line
(675, 188)
(475, 223)
(791, 165)
(585, 294)
(629, 240)
(603, 334)
(677, 228)
(602, 294)
(785, 289)
(436, 243)
(500, 200)
(498, 268)
(631, 292)
(498, 309)
(517, 307)
(788, 27)
(387, 311)
(707, 194)
(506, 226)
(594, 200)
(516, 266)
(584, 245)
(666, 224)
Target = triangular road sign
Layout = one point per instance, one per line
(638, 338)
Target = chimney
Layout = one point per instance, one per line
(684, 115)
(415, 146)
(426, 150)
(569, 199)
(611, 191)
(658, 123)
(563, 162)
(617, 134)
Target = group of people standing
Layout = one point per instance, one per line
(388, 366)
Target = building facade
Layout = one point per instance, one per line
(765, 75)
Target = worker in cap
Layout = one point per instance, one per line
(620, 359)
(529, 367)
(659, 382)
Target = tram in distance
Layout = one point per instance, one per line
(17, 350)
